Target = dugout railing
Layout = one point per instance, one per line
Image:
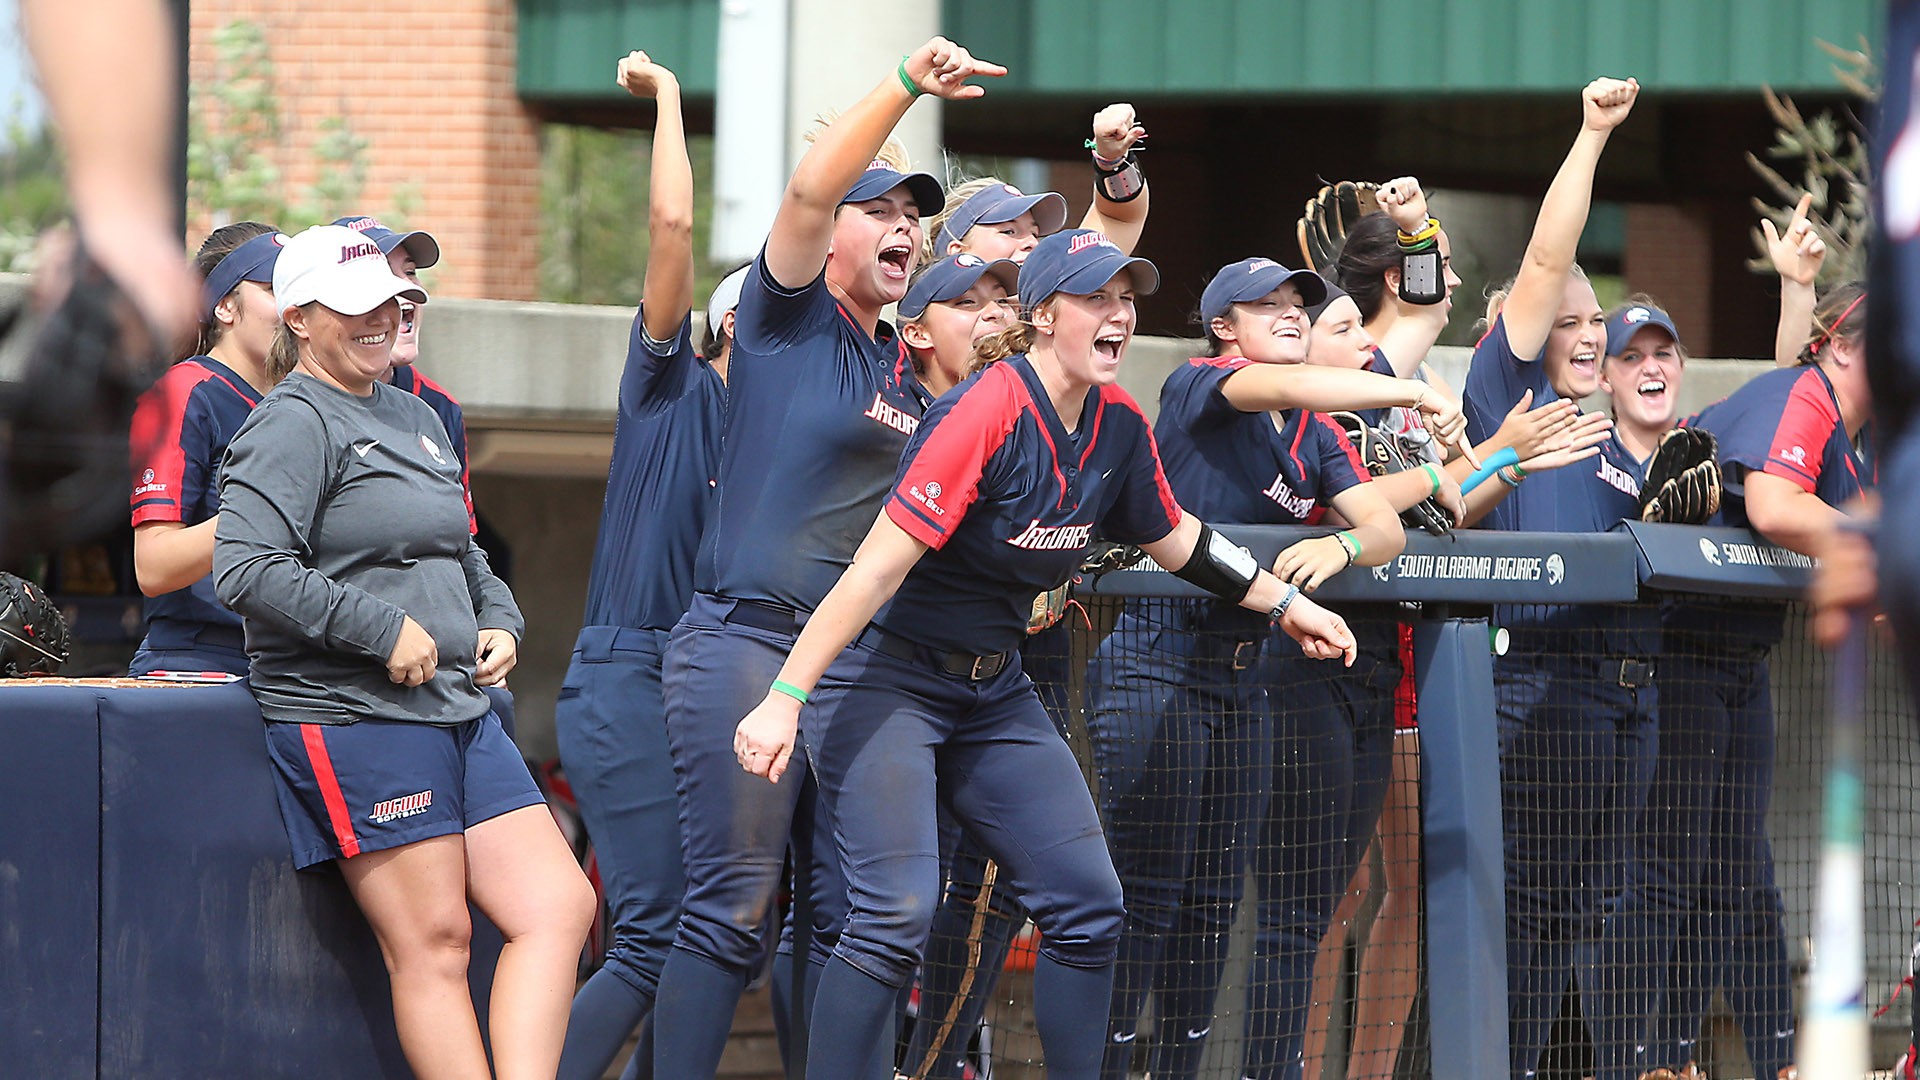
(1446, 589)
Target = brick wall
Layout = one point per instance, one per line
(1670, 255)
(430, 86)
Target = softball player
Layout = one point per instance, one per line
(1700, 894)
(976, 922)
(1178, 710)
(609, 717)
(181, 428)
(821, 401)
(387, 756)
(1004, 484)
(1574, 693)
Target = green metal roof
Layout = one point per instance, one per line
(1230, 48)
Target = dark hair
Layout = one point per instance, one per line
(218, 245)
(711, 339)
(1842, 314)
(1371, 249)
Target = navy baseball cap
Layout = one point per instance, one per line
(1251, 279)
(252, 261)
(422, 246)
(1079, 261)
(1632, 319)
(1004, 202)
(881, 178)
(951, 277)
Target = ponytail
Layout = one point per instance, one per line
(1841, 314)
(284, 354)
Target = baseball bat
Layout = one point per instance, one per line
(1833, 1024)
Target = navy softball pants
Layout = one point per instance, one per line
(1182, 738)
(1700, 871)
(1333, 757)
(734, 829)
(612, 732)
(889, 737)
(959, 956)
(1576, 749)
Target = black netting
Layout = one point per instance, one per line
(1661, 770)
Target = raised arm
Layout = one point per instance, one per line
(108, 75)
(1535, 299)
(668, 288)
(1796, 257)
(1116, 131)
(1413, 328)
(803, 228)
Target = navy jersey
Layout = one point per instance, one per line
(1009, 502)
(1254, 468)
(817, 415)
(408, 377)
(1786, 423)
(181, 429)
(666, 458)
(1587, 496)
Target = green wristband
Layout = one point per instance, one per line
(1350, 542)
(792, 691)
(1433, 474)
(913, 91)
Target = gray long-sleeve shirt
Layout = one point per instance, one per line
(340, 515)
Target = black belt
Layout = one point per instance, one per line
(971, 666)
(764, 616)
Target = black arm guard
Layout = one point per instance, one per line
(1219, 566)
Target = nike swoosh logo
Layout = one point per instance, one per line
(1124, 1036)
(362, 448)
(1199, 1034)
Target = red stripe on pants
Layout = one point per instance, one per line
(330, 793)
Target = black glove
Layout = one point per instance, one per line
(1683, 479)
(69, 381)
(33, 633)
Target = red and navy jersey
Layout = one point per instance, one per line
(666, 460)
(408, 377)
(1256, 468)
(1786, 423)
(1587, 496)
(817, 415)
(181, 428)
(1009, 500)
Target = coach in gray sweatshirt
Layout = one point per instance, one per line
(342, 521)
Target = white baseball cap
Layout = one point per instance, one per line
(340, 268)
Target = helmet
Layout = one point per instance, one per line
(33, 633)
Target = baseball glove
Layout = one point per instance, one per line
(1683, 479)
(1048, 608)
(1329, 214)
(33, 633)
(1105, 557)
(1384, 454)
(70, 377)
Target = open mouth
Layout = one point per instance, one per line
(894, 260)
(1585, 364)
(1107, 347)
(1653, 388)
(406, 318)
